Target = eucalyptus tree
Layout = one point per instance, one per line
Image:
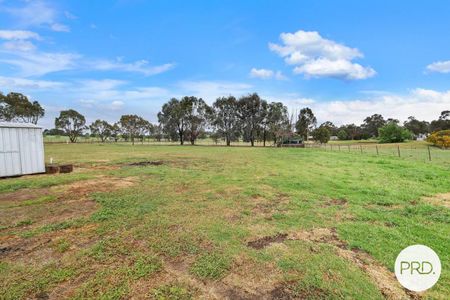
(306, 122)
(226, 118)
(132, 126)
(197, 114)
(172, 117)
(277, 121)
(251, 113)
(15, 107)
(101, 129)
(72, 123)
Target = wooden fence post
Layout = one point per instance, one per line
(376, 146)
(348, 148)
(398, 149)
(360, 148)
(429, 153)
(339, 147)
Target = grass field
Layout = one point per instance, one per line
(217, 223)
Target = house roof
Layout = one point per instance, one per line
(19, 125)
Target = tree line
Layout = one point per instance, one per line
(248, 118)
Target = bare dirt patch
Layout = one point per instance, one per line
(23, 195)
(381, 276)
(336, 202)
(146, 163)
(267, 240)
(439, 199)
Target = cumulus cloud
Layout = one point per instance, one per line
(439, 66)
(211, 90)
(266, 74)
(60, 27)
(315, 56)
(424, 104)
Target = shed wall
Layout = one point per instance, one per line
(21, 151)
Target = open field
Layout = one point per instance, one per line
(169, 222)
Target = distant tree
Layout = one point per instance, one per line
(415, 126)
(330, 126)
(442, 123)
(116, 131)
(342, 135)
(226, 118)
(101, 129)
(372, 124)
(197, 114)
(53, 131)
(393, 133)
(306, 122)
(16, 107)
(321, 134)
(251, 113)
(158, 132)
(173, 118)
(132, 126)
(277, 121)
(72, 123)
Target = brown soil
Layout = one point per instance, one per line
(383, 278)
(439, 199)
(23, 195)
(267, 240)
(336, 202)
(72, 202)
(146, 163)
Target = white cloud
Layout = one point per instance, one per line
(315, 56)
(41, 63)
(37, 13)
(266, 74)
(211, 90)
(12, 83)
(424, 104)
(261, 73)
(23, 46)
(116, 105)
(60, 27)
(341, 68)
(141, 66)
(18, 35)
(439, 66)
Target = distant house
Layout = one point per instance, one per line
(421, 137)
(334, 138)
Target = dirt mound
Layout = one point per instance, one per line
(146, 163)
(267, 240)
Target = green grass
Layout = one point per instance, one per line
(202, 206)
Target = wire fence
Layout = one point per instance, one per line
(420, 153)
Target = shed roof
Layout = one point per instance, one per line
(19, 125)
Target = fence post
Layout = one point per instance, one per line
(429, 153)
(348, 148)
(331, 147)
(398, 149)
(339, 147)
(376, 146)
(360, 148)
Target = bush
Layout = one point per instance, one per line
(321, 134)
(393, 133)
(342, 135)
(440, 138)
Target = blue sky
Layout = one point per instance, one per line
(344, 59)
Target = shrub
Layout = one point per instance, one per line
(342, 135)
(322, 135)
(440, 138)
(393, 133)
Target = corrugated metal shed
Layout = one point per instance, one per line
(21, 149)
